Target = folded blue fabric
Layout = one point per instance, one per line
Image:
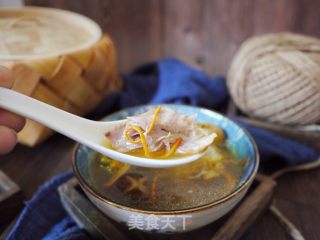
(166, 81)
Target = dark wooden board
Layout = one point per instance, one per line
(297, 194)
(85, 214)
(231, 227)
(11, 199)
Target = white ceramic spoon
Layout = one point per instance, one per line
(88, 132)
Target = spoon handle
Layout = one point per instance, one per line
(87, 132)
(52, 117)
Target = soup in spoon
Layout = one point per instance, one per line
(160, 133)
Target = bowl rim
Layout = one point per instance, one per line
(224, 199)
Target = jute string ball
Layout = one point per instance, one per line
(276, 77)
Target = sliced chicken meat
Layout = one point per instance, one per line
(161, 127)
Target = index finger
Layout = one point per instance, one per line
(6, 78)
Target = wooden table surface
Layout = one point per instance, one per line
(205, 34)
(297, 194)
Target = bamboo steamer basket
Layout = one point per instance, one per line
(74, 78)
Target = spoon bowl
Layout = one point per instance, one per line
(88, 132)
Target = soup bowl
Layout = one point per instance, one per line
(180, 220)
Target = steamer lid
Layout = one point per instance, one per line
(33, 33)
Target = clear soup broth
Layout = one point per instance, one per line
(204, 181)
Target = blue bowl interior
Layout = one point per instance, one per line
(238, 141)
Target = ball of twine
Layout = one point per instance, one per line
(277, 77)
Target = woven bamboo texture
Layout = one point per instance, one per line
(276, 77)
(75, 82)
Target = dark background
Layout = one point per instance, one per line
(204, 33)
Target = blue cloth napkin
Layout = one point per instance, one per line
(166, 81)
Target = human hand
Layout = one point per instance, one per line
(10, 123)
